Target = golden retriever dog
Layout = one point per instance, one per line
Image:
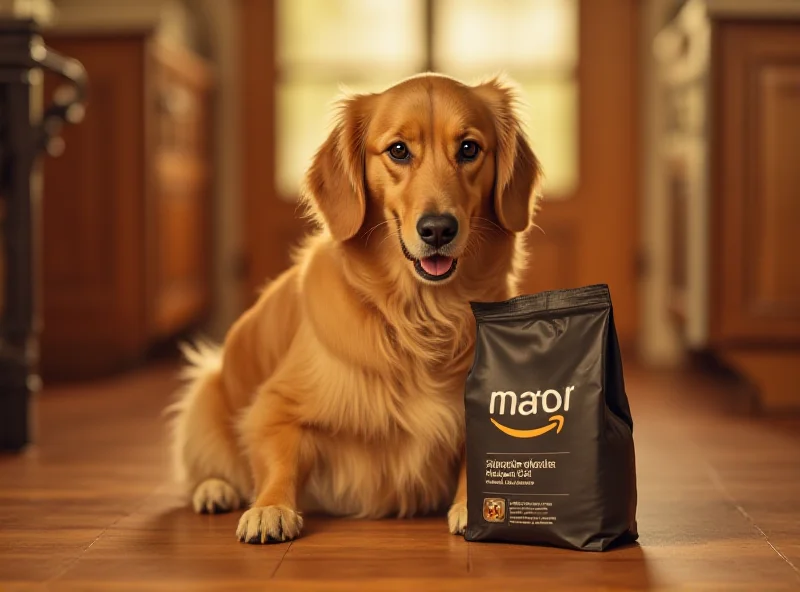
(342, 389)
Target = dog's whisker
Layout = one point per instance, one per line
(481, 233)
(369, 232)
(491, 222)
(473, 243)
(374, 228)
(478, 222)
(390, 234)
(476, 239)
(488, 230)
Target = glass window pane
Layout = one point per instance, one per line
(550, 116)
(518, 36)
(347, 33)
(304, 119)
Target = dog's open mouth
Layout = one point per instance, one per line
(436, 267)
(433, 268)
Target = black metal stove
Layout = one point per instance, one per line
(23, 137)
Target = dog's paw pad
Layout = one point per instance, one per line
(269, 524)
(457, 518)
(215, 496)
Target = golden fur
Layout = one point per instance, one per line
(342, 388)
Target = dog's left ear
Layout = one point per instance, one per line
(518, 172)
(335, 186)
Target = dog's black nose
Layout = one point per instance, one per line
(437, 231)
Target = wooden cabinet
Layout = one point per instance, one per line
(757, 184)
(179, 150)
(126, 224)
(735, 191)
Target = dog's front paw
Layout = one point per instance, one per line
(269, 524)
(457, 518)
(215, 496)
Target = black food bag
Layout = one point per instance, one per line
(550, 454)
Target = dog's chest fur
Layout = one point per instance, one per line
(384, 443)
(383, 374)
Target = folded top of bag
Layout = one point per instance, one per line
(597, 294)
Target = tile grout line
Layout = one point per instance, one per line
(715, 478)
(124, 515)
(277, 567)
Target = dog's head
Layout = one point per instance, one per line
(442, 165)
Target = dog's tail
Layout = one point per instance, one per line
(203, 363)
(202, 357)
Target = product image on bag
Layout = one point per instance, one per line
(550, 453)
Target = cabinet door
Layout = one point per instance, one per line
(756, 296)
(92, 280)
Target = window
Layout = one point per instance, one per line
(367, 45)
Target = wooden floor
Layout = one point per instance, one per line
(90, 508)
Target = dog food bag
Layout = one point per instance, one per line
(550, 455)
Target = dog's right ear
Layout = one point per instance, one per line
(335, 185)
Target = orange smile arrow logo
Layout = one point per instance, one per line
(557, 422)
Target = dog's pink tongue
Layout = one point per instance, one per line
(436, 265)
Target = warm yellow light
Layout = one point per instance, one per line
(551, 122)
(370, 44)
(515, 35)
(351, 32)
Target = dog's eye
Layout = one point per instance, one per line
(468, 151)
(399, 151)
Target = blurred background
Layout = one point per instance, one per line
(668, 130)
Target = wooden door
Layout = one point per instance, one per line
(588, 232)
(592, 235)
